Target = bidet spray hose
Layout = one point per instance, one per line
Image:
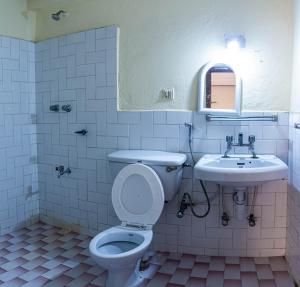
(201, 182)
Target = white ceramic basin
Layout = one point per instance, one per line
(240, 170)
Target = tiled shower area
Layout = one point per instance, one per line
(46, 222)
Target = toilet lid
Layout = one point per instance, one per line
(138, 195)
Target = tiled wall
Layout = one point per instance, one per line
(18, 167)
(293, 234)
(81, 70)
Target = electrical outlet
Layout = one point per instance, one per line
(168, 94)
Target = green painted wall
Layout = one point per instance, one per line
(15, 20)
(295, 98)
(163, 44)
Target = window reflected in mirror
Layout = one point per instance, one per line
(220, 89)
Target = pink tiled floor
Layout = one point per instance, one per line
(43, 255)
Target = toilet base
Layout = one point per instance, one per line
(132, 277)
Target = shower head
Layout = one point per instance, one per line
(57, 16)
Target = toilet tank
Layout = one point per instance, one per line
(167, 165)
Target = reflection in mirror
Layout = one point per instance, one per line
(220, 88)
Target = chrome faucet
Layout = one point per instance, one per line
(250, 144)
(61, 170)
(251, 140)
(66, 108)
(229, 140)
(241, 139)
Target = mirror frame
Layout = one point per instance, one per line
(202, 90)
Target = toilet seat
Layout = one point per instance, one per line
(138, 196)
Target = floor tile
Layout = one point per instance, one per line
(232, 271)
(217, 264)
(267, 283)
(232, 283)
(200, 270)
(247, 264)
(264, 272)
(43, 255)
(249, 279)
(159, 280)
(282, 278)
(187, 261)
(196, 282)
(181, 276)
(278, 264)
(169, 267)
(215, 279)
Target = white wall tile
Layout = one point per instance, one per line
(169, 131)
(95, 105)
(275, 132)
(147, 127)
(129, 117)
(160, 117)
(179, 117)
(18, 136)
(118, 130)
(217, 132)
(154, 143)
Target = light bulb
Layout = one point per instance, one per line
(233, 45)
(235, 42)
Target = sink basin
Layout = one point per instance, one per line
(240, 170)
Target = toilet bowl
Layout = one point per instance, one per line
(118, 250)
(138, 199)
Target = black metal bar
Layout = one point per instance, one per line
(82, 132)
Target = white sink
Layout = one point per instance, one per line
(240, 170)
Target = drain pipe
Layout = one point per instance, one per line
(239, 199)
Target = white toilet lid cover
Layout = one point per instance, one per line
(138, 195)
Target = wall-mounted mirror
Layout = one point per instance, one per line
(220, 89)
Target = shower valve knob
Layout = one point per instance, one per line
(66, 108)
(82, 132)
(54, 108)
(229, 139)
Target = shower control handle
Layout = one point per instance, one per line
(66, 108)
(82, 132)
(229, 139)
(251, 139)
(54, 108)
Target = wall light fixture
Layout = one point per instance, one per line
(235, 42)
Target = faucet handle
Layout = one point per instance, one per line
(251, 139)
(229, 139)
(60, 168)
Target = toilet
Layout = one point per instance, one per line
(144, 181)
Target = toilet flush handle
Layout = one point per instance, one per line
(171, 168)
